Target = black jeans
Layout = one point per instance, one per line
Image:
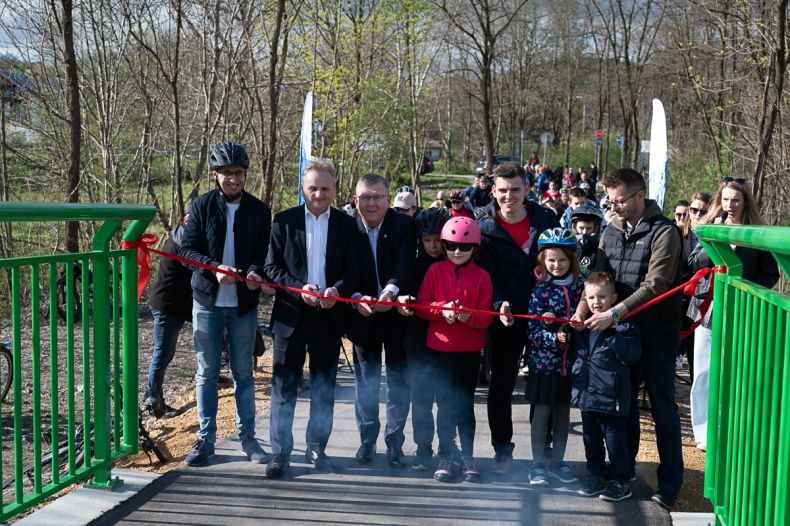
(455, 381)
(599, 428)
(367, 372)
(657, 369)
(313, 336)
(422, 382)
(507, 344)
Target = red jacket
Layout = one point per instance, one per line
(471, 286)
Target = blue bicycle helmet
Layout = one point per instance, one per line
(557, 238)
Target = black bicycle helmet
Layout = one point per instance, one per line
(430, 221)
(586, 212)
(228, 154)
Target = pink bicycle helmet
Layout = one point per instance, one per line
(461, 230)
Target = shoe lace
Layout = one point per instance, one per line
(445, 463)
(469, 464)
(198, 445)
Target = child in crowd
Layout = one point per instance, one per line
(456, 338)
(568, 179)
(428, 224)
(552, 194)
(459, 207)
(602, 391)
(548, 384)
(586, 224)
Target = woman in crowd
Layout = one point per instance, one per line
(733, 204)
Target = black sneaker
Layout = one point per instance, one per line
(275, 469)
(503, 463)
(616, 491)
(444, 471)
(201, 451)
(664, 499)
(592, 486)
(422, 458)
(469, 469)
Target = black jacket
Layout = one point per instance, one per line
(286, 264)
(759, 266)
(602, 375)
(204, 241)
(395, 257)
(416, 327)
(172, 292)
(512, 270)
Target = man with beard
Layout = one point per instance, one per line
(229, 230)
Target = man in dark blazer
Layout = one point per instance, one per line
(312, 247)
(387, 245)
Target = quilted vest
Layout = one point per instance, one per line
(629, 258)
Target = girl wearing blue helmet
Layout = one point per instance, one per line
(548, 388)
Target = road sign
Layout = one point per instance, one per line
(546, 137)
(599, 134)
(620, 140)
(598, 141)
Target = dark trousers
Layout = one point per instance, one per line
(314, 336)
(507, 344)
(600, 428)
(367, 372)
(657, 369)
(422, 377)
(455, 381)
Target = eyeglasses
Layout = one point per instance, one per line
(698, 211)
(372, 198)
(463, 247)
(737, 180)
(621, 202)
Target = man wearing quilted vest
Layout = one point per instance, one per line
(643, 250)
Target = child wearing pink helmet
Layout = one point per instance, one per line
(456, 337)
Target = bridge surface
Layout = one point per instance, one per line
(233, 491)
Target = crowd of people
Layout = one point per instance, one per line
(526, 240)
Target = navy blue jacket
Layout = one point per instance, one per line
(602, 375)
(511, 269)
(204, 241)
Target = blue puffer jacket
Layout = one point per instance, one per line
(602, 375)
(546, 354)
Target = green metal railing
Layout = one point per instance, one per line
(100, 366)
(748, 445)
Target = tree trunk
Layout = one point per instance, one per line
(75, 123)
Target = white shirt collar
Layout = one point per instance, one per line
(309, 214)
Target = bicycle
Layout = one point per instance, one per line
(6, 369)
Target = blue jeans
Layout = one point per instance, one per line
(208, 328)
(166, 329)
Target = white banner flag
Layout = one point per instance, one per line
(306, 146)
(658, 154)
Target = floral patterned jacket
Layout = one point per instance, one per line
(546, 354)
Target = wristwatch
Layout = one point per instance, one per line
(615, 314)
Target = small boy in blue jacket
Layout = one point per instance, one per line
(602, 390)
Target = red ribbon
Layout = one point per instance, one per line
(143, 259)
(144, 247)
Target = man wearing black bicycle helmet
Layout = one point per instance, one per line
(228, 229)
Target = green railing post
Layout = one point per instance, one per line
(99, 355)
(748, 444)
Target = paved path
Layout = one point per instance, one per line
(233, 491)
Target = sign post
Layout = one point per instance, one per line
(598, 143)
(546, 138)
